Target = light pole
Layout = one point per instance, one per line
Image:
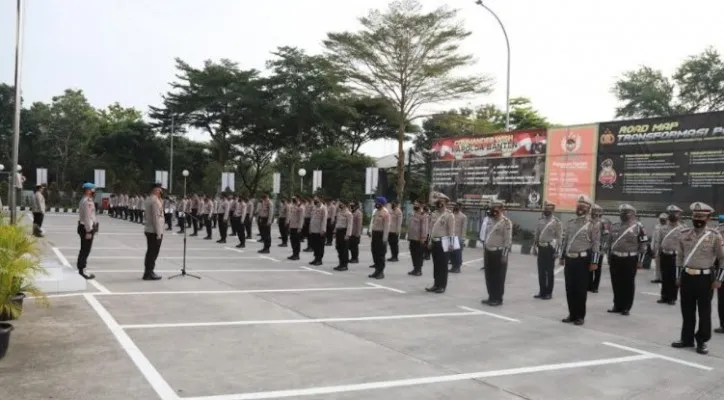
(170, 167)
(507, 80)
(301, 173)
(183, 273)
(16, 119)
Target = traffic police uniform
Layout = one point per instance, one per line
(699, 248)
(629, 244)
(655, 238)
(417, 231)
(380, 232)
(666, 246)
(546, 245)
(343, 231)
(87, 228)
(395, 228)
(720, 291)
(580, 252)
(605, 225)
(498, 241)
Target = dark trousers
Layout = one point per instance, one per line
(38, 219)
(394, 242)
(283, 229)
(546, 267)
(696, 295)
(215, 218)
(720, 306)
(577, 278)
(456, 258)
(417, 252)
(168, 218)
(354, 247)
(206, 218)
(294, 238)
(342, 246)
(669, 291)
(305, 228)
(153, 247)
(379, 250)
(316, 242)
(247, 225)
(623, 281)
(265, 230)
(195, 220)
(223, 227)
(595, 277)
(240, 231)
(85, 248)
(495, 273)
(330, 233)
(439, 265)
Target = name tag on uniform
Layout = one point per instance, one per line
(167, 211)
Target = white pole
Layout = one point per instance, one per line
(170, 168)
(507, 80)
(18, 106)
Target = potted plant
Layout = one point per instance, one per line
(5, 330)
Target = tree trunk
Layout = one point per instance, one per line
(401, 161)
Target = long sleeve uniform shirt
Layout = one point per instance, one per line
(396, 220)
(344, 221)
(240, 209)
(331, 212)
(296, 216)
(548, 232)
(357, 223)
(39, 203)
(581, 234)
(381, 223)
(318, 221)
(207, 208)
(461, 224)
(699, 248)
(667, 241)
(283, 210)
(442, 224)
(628, 239)
(417, 227)
(225, 209)
(500, 234)
(87, 213)
(153, 223)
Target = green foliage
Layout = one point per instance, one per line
(340, 172)
(696, 86)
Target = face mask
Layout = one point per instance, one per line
(489, 213)
(547, 213)
(456, 210)
(316, 202)
(624, 217)
(438, 204)
(580, 211)
(662, 221)
(673, 218)
(416, 208)
(378, 206)
(495, 213)
(698, 223)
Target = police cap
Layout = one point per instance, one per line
(673, 209)
(700, 208)
(626, 208)
(583, 199)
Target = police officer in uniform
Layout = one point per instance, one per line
(87, 227)
(196, 204)
(580, 252)
(720, 291)
(417, 232)
(153, 229)
(38, 210)
(296, 221)
(461, 224)
(223, 217)
(655, 238)
(546, 244)
(699, 248)
(605, 225)
(666, 246)
(331, 224)
(380, 231)
(343, 231)
(629, 244)
(265, 218)
(441, 242)
(395, 228)
(239, 218)
(498, 242)
(318, 231)
(284, 222)
(357, 226)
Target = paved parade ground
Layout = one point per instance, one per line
(262, 327)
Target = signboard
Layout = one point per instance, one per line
(277, 184)
(227, 181)
(99, 178)
(162, 178)
(506, 167)
(41, 176)
(316, 180)
(652, 163)
(570, 165)
(372, 176)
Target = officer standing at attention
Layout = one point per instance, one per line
(380, 232)
(395, 228)
(655, 239)
(87, 227)
(343, 231)
(629, 244)
(308, 208)
(317, 230)
(284, 222)
(331, 224)
(153, 209)
(296, 221)
(699, 248)
(239, 218)
(417, 231)
(207, 208)
(356, 235)
(223, 217)
(265, 217)
(38, 210)
(497, 247)
(720, 291)
(248, 219)
(484, 231)
(461, 224)
(605, 226)
(440, 242)
(666, 245)
(232, 208)
(580, 249)
(546, 245)
(167, 213)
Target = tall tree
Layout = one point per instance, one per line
(366, 119)
(696, 86)
(409, 57)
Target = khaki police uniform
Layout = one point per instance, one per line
(196, 219)
(498, 243)
(308, 207)
(357, 227)
(395, 229)
(546, 242)
(720, 291)
(580, 250)
(153, 229)
(239, 216)
(223, 218)
(417, 232)
(666, 245)
(87, 227)
(627, 249)
(604, 225)
(283, 223)
(456, 256)
(699, 248)
(265, 218)
(441, 240)
(207, 209)
(380, 233)
(331, 215)
(317, 231)
(343, 231)
(296, 222)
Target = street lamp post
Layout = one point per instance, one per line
(170, 167)
(507, 80)
(18, 101)
(301, 173)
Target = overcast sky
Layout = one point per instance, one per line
(566, 54)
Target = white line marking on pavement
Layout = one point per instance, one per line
(66, 264)
(269, 258)
(656, 355)
(503, 317)
(129, 248)
(103, 233)
(421, 381)
(199, 271)
(472, 261)
(337, 289)
(233, 249)
(173, 258)
(651, 293)
(386, 288)
(317, 270)
(300, 321)
(558, 270)
(162, 388)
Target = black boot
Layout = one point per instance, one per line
(82, 273)
(150, 276)
(415, 272)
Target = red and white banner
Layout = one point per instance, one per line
(512, 144)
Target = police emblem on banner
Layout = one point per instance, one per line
(607, 137)
(571, 143)
(534, 199)
(607, 176)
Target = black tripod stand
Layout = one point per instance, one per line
(183, 264)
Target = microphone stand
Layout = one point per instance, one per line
(183, 263)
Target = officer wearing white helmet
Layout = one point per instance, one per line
(629, 244)
(699, 248)
(665, 246)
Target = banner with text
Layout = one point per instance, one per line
(506, 167)
(570, 165)
(652, 163)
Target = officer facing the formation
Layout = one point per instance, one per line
(153, 209)
(498, 242)
(354, 239)
(605, 226)
(380, 231)
(461, 225)
(548, 235)
(655, 238)
(627, 250)
(38, 210)
(87, 227)
(665, 248)
(720, 291)
(699, 248)
(441, 241)
(417, 232)
(343, 231)
(580, 249)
